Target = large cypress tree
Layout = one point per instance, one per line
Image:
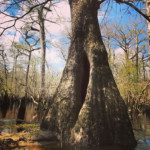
(87, 107)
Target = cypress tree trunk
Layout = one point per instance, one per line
(87, 108)
(5, 67)
(27, 75)
(22, 110)
(137, 59)
(148, 23)
(143, 65)
(43, 49)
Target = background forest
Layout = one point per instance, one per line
(34, 45)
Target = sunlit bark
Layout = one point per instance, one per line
(88, 109)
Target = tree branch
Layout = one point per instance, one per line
(145, 87)
(100, 2)
(16, 18)
(34, 101)
(135, 8)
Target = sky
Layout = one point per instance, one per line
(123, 15)
(56, 32)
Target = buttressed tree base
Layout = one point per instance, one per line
(87, 107)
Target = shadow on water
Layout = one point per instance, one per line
(141, 129)
(4, 104)
(12, 112)
(56, 146)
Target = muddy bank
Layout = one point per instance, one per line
(29, 136)
(12, 136)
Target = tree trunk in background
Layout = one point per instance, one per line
(15, 75)
(148, 23)
(144, 71)
(4, 104)
(13, 79)
(34, 80)
(127, 54)
(109, 50)
(87, 107)
(27, 75)
(43, 50)
(5, 68)
(137, 59)
(22, 108)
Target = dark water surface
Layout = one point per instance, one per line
(56, 146)
(141, 127)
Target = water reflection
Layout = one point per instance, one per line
(5, 126)
(56, 146)
(13, 112)
(141, 126)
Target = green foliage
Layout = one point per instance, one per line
(127, 48)
(126, 79)
(16, 73)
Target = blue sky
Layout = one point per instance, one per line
(123, 15)
(55, 32)
(121, 12)
(14, 9)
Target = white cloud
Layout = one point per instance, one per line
(53, 57)
(119, 52)
(5, 21)
(8, 38)
(61, 15)
(3, 5)
(119, 56)
(55, 42)
(101, 15)
(19, 24)
(60, 11)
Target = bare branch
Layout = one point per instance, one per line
(100, 2)
(16, 18)
(34, 29)
(145, 87)
(135, 8)
(35, 102)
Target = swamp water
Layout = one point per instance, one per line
(141, 127)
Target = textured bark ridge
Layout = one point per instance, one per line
(87, 108)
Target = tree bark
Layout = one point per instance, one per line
(148, 22)
(137, 59)
(27, 74)
(144, 71)
(22, 110)
(87, 107)
(15, 75)
(43, 49)
(5, 68)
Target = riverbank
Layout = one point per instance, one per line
(22, 135)
(29, 136)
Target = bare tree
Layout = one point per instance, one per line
(139, 36)
(27, 51)
(4, 58)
